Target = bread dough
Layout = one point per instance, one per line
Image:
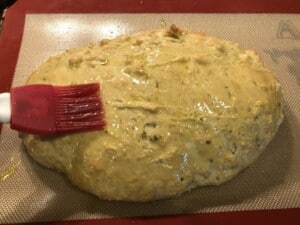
(183, 110)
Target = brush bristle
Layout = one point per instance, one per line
(78, 108)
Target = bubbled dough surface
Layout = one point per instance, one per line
(182, 110)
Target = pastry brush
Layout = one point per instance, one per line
(46, 110)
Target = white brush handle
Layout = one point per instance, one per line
(5, 108)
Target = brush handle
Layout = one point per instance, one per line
(5, 108)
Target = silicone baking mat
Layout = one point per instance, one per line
(31, 193)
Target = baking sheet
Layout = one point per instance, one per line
(30, 192)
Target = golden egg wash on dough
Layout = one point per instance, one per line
(183, 110)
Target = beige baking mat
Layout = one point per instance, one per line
(29, 192)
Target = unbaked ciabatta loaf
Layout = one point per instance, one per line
(183, 110)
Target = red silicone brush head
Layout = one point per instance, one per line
(46, 109)
(78, 108)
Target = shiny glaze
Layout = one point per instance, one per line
(182, 110)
